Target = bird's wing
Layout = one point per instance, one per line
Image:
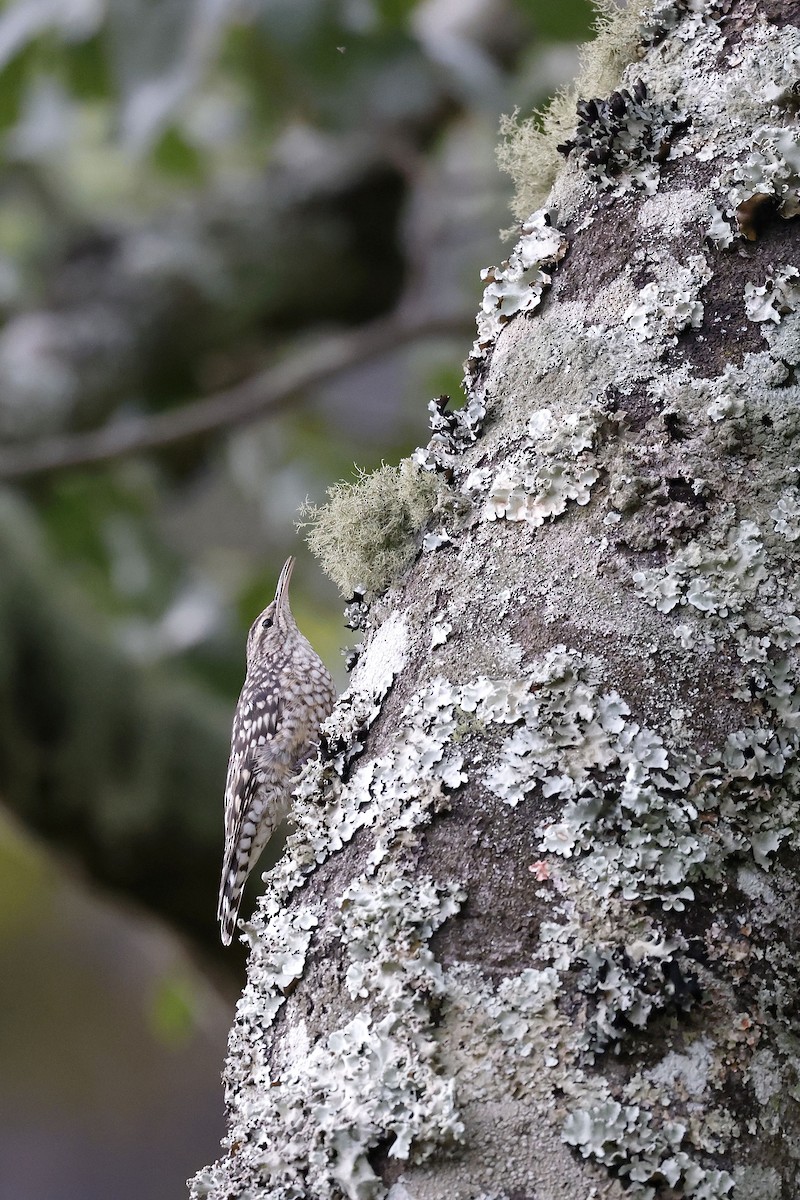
(257, 721)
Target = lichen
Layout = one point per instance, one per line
(643, 831)
(778, 296)
(630, 985)
(620, 142)
(515, 287)
(529, 150)
(786, 514)
(281, 965)
(453, 431)
(370, 1079)
(719, 230)
(658, 309)
(710, 579)
(772, 168)
(554, 467)
(366, 534)
(517, 284)
(628, 1141)
(539, 494)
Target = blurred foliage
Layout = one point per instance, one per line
(111, 1041)
(25, 888)
(108, 759)
(191, 192)
(173, 1015)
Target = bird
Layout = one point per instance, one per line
(287, 694)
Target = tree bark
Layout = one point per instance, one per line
(536, 933)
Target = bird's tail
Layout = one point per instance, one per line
(230, 897)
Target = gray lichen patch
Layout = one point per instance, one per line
(672, 214)
(510, 1144)
(372, 1080)
(624, 1138)
(780, 294)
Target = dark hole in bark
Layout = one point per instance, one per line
(386, 1168)
(682, 490)
(672, 424)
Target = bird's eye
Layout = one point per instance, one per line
(266, 623)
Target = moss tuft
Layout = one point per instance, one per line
(528, 151)
(365, 535)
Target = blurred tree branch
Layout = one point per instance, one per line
(265, 392)
(136, 313)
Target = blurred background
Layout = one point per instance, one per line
(240, 244)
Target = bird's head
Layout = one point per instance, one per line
(275, 625)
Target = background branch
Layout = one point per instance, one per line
(266, 392)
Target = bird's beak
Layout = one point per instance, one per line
(282, 590)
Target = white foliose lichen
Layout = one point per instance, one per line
(517, 284)
(357, 708)
(440, 632)
(730, 587)
(436, 539)
(539, 494)
(771, 168)
(648, 1154)
(555, 468)
(725, 404)
(453, 431)
(659, 310)
(656, 818)
(786, 514)
(393, 793)
(720, 231)
(279, 967)
(711, 579)
(372, 1080)
(691, 19)
(778, 296)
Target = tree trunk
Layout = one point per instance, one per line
(536, 934)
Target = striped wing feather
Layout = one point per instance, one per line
(255, 725)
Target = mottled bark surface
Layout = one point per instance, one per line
(536, 934)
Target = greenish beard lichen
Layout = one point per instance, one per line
(368, 531)
(529, 151)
